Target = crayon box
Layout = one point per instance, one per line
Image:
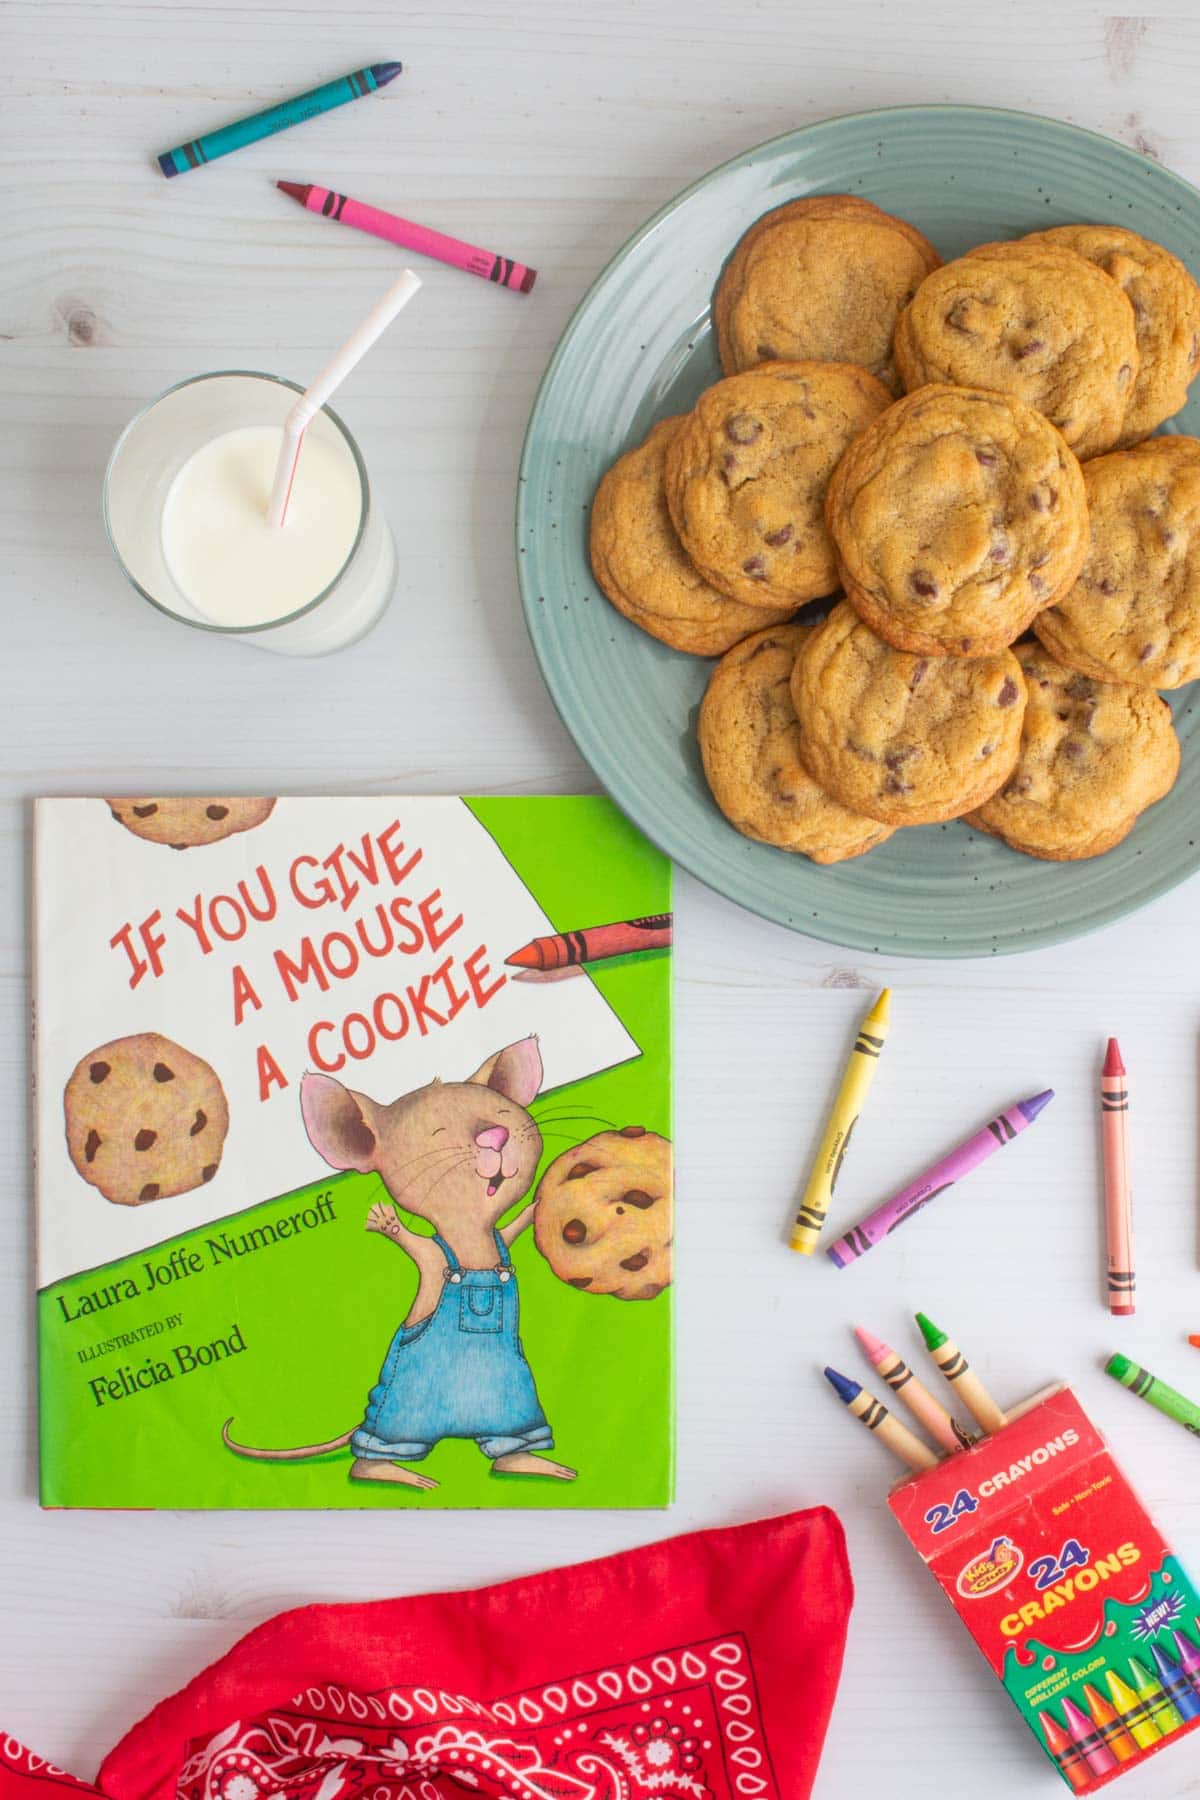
(1067, 1586)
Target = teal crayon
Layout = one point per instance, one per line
(355, 86)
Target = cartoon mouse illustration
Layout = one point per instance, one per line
(458, 1155)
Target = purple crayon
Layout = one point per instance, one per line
(885, 1219)
(1189, 1657)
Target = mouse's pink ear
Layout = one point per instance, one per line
(515, 1071)
(339, 1123)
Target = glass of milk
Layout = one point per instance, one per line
(185, 507)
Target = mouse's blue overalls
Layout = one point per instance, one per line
(460, 1373)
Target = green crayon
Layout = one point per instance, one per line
(1164, 1714)
(1140, 1381)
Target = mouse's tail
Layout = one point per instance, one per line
(294, 1455)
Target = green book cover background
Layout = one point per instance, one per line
(315, 1300)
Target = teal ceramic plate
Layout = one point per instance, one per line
(640, 345)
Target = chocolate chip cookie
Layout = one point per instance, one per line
(603, 1215)
(957, 515)
(747, 471)
(1134, 613)
(145, 1119)
(1034, 320)
(905, 739)
(1166, 312)
(1094, 755)
(750, 743)
(640, 565)
(185, 823)
(822, 279)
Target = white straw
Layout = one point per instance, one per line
(331, 377)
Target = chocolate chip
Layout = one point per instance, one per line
(895, 759)
(162, 1073)
(578, 1170)
(918, 675)
(1062, 715)
(987, 458)
(1020, 784)
(922, 582)
(1008, 692)
(145, 812)
(1146, 652)
(144, 1138)
(151, 1191)
(94, 1141)
(999, 551)
(1105, 585)
(1167, 535)
(635, 1197)
(208, 1171)
(198, 1123)
(1029, 348)
(966, 644)
(1080, 688)
(216, 812)
(636, 1262)
(894, 785)
(179, 846)
(755, 567)
(986, 750)
(574, 1232)
(1073, 749)
(742, 429)
(956, 317)
(580, 1281)
(99, 1071)
(775, 538)
(767, 353)
(632, 1131)
(729, 460)
(1037, 584)
(1043, 498)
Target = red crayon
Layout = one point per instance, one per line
(1064, 1750)
(593, 943)
(1118, 1198)
(410, 236)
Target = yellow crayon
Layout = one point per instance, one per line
(875, 1416)
(955, 1367)
(1133, 1712)
(843, 1117)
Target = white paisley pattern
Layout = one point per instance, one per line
(680, 1725)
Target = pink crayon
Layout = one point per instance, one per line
(886, 1218)
(916, 1396)
(1118, 1198)
(1089, 1738)
(410, 236)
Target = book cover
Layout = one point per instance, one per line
(339, 1205)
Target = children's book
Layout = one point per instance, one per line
(354, 1160)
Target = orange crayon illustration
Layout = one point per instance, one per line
(595, 942)
(1107, 1721)
(1118, 1198)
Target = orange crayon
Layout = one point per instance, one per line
(593, 943)
(1118, 1198)
(1107, 1721)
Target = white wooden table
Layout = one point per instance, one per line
(547, 130)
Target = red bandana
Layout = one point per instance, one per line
(703, 1668)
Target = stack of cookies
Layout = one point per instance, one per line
(960, 450)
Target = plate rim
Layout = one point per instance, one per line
(592, 747)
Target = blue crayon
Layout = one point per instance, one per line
(201, 150)
(1178, 1687)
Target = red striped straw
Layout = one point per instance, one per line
(331, 377)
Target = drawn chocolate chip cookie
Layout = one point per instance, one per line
(184, 823)
(603, 1216)
(145, 1119)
